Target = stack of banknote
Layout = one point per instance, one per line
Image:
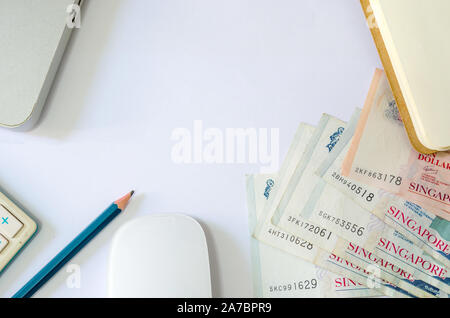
(354, 211)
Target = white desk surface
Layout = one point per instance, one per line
(137, 70)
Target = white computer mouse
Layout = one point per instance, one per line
(159, 256)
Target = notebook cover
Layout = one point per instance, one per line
(35, 35)
(393, 82)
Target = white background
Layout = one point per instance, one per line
(137, 70)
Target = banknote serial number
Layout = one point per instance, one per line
(358, 190)
(290, 238)
(387, 178)
(298, 285)
(310, 227)
(347, 225)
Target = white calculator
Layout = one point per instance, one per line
(16, 229)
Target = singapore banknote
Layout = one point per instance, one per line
(353, 224)
(271, 235)
(279, 274)
(427, 231)
(381, 155)
(328, 206)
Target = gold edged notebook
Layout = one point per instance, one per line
(405, 111)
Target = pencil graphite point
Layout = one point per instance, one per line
(122, 202)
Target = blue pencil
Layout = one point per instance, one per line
(46, 273)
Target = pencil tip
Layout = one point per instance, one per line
(122, 202)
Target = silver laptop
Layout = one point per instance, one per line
(33, 37)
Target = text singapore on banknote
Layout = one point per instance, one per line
(422, 179)
(344, 226)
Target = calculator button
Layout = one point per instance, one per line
(9, 225)
(3, 242)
